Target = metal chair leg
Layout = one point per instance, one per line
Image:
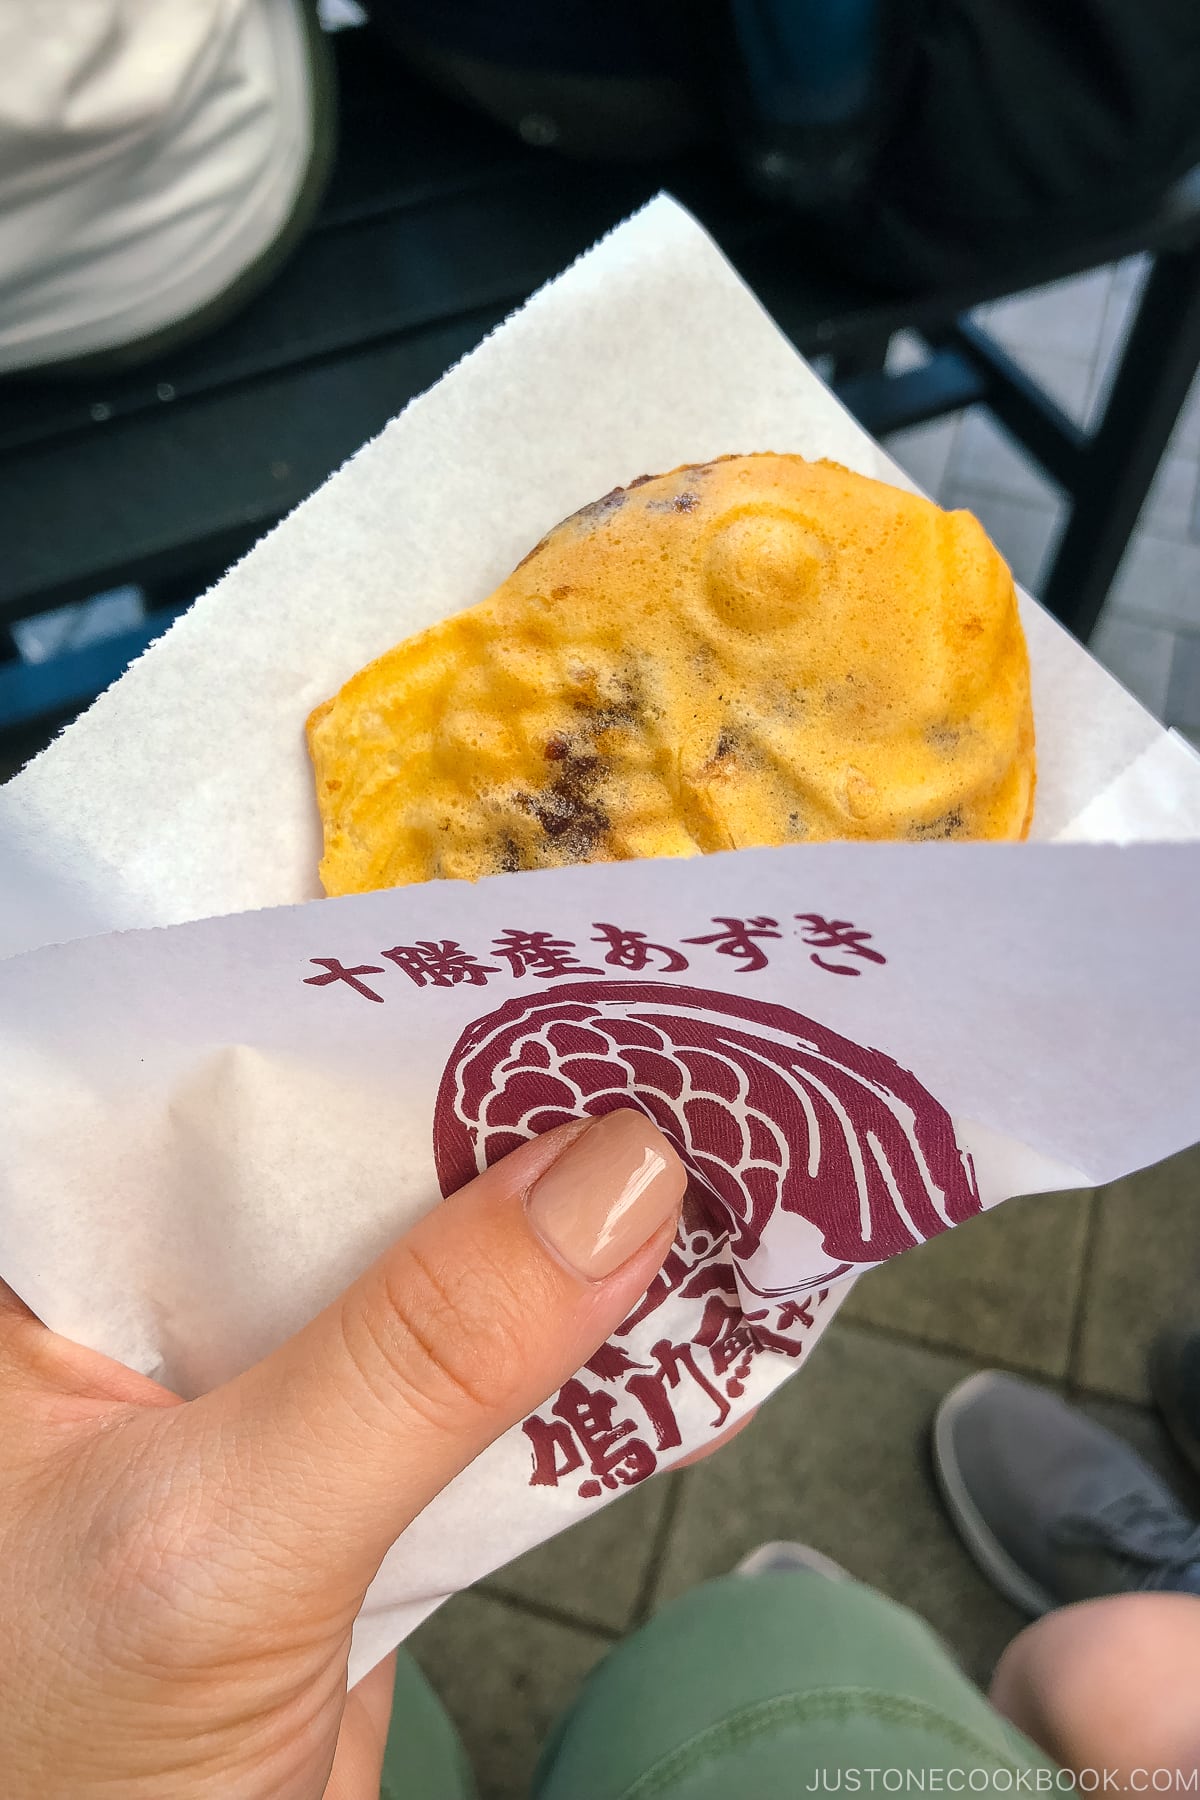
(865, 358)
(1119, 463)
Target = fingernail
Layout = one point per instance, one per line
(609, 1191)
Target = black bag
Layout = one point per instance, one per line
(921, 139)
(999, 128)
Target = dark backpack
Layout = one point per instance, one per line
(919, 138)
(999, 128)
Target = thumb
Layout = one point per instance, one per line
(458, 1331)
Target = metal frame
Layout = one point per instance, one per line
(1105, 474)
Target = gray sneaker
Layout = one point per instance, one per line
(1052, 1507)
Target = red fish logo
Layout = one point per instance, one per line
(810, 1155)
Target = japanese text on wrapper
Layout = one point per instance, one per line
(837, 946)
(608, 1427)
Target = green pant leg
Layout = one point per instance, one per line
(772, 1687)
(424, 1759)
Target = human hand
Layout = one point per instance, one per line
(179, 1580)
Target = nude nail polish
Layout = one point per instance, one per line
(609, 1191)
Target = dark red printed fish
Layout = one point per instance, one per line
(810, 1155)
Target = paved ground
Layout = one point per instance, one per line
(1065, 1288)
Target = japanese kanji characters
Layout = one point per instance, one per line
(539, 953)
(582, 1430)
(352, 977)
(444, 964)
(836, 945)
(608, 1426)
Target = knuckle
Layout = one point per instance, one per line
(446, 1347)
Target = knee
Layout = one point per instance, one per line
(1109, 1683)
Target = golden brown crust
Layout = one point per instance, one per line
(756, 650)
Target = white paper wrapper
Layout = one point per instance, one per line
(229, 1140)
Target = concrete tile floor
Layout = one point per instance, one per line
(1005, 1288)
(1143, 1266)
